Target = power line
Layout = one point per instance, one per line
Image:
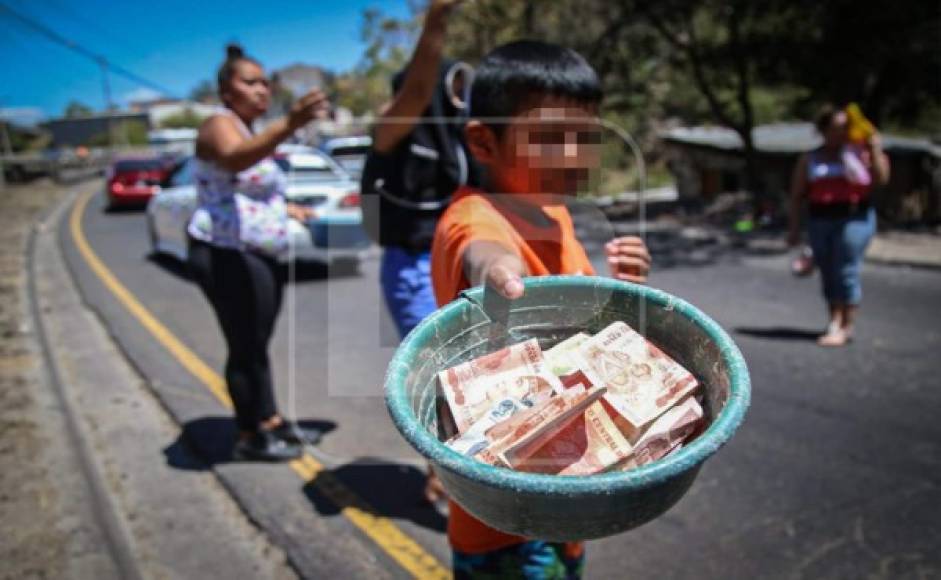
(87, 53)
(63, 8)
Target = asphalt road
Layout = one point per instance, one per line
(835, 473)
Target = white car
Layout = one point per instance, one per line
(349, 152)
(314, 180)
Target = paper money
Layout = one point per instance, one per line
(503, 434)
(591, 444)
(475, 439)
(541, 426)
(563, 361)
(517, 371)
(666, 434)
(642, 381)
(562, 358)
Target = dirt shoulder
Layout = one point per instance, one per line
(32, 544)
(86, 487)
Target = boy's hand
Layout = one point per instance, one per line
(434, 491)
(505, 275)
(628, 259)
(490, 263)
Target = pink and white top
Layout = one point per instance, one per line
(243, 210)
(845, 179)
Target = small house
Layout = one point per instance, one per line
(707, 161)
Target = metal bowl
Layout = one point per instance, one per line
(565, 508)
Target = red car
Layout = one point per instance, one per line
(132, 181)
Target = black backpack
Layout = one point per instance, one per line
(405, 191)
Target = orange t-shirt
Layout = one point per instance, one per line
(473, 216)
(546, 249)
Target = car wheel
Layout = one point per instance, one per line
(152, 234)
(345, 266)
(187, 245)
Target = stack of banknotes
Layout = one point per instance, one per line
(590, 404)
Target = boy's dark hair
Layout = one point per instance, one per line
(511, 76)
(234, 54)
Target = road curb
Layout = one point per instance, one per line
(170, 524)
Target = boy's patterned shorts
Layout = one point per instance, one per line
(536, 560)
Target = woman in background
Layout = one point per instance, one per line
(237, 234)
(835, 180)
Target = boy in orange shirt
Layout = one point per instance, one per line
(533, 128)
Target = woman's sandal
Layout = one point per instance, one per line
(291, 432)
(265, 446)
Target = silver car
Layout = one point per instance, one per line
(350, 152)
(314, 180)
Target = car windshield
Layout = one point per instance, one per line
(308, 167)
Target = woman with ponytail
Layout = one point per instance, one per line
(238, 233)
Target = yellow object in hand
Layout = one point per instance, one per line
(860, 128)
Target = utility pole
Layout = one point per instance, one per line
(109, 106)
(7, 150)
(7, 147)
(3, 176)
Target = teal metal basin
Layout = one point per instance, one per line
(565, 508)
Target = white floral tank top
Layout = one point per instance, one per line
(244, 210)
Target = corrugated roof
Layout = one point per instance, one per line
(782, 138)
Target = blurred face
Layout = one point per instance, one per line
(546, 151)
(836, 132)
(248, 93)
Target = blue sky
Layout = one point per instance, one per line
(174, 43)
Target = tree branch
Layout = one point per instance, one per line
(741, 68)
(690, 48)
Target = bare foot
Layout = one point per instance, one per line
(834, 338)
(434, 491)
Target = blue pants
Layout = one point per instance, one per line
(406, 285)
(839, 245)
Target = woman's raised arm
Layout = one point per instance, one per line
(221, 142)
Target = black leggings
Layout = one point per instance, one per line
(245, 290)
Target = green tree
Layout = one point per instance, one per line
(121, 133)
(886, 57)
(204, 92)
(730, 62)
(187, 118)
(77, 109)
(389, 43)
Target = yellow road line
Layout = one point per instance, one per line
(180, 351)
(381, 530)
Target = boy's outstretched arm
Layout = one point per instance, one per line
(491, 263)
(420, 83)
(628, 259)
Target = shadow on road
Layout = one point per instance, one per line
(376, 486)
(170, 265)
(779, 333)
(208, 441)
(389, 489)
(109, 209)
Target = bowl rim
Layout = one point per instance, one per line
(717, 434)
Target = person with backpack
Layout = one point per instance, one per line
(418, 159)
